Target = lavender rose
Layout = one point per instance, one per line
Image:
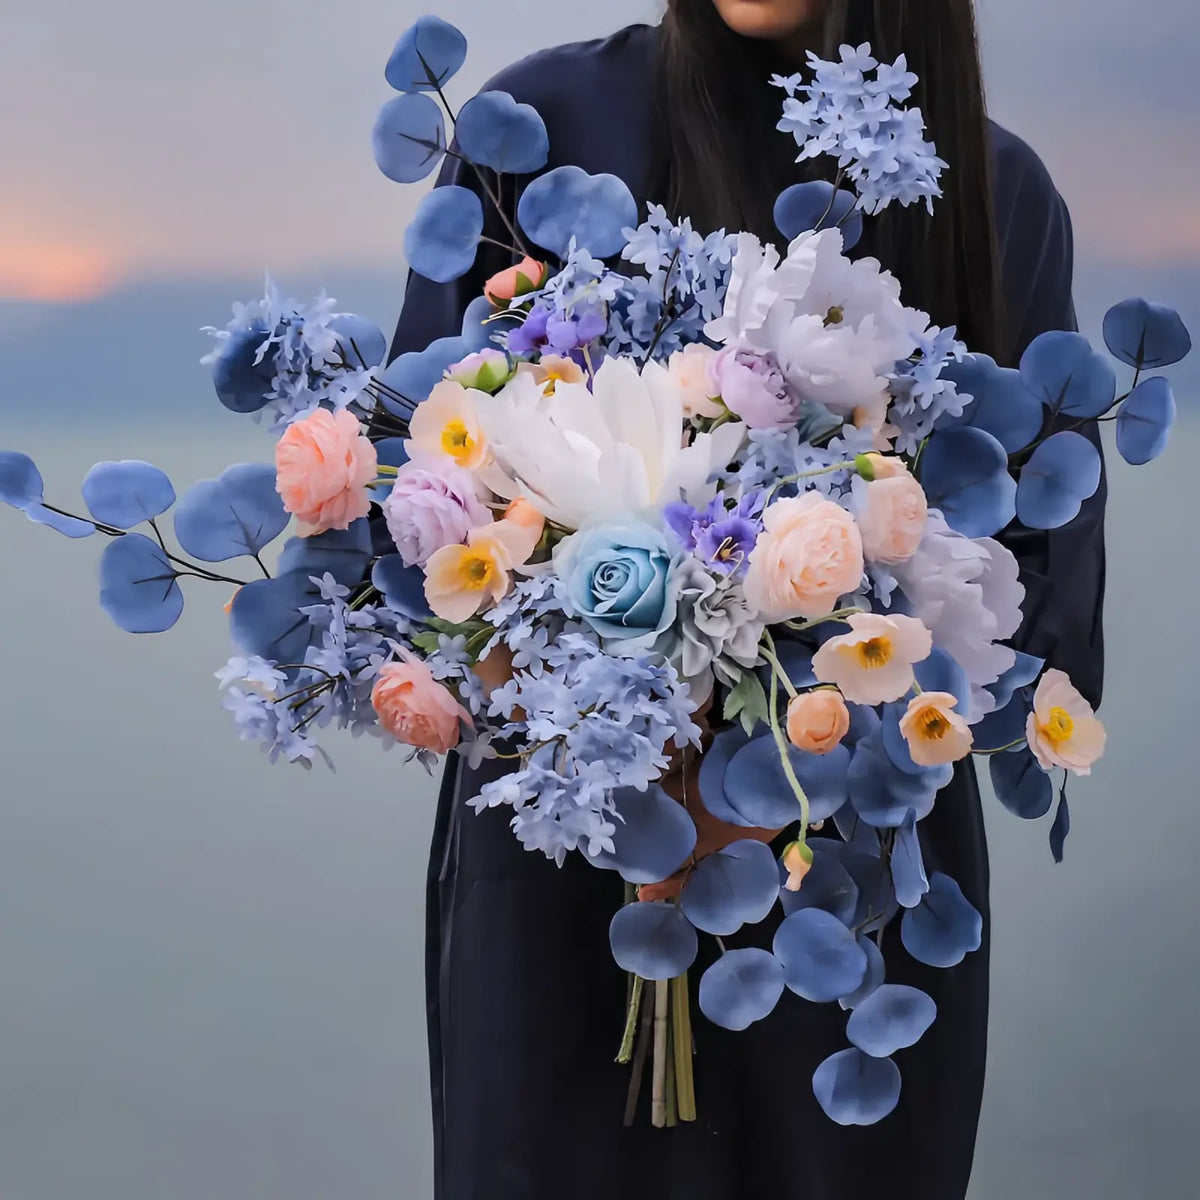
(432, 504)
(753, 388)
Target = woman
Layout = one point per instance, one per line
(525, 1004)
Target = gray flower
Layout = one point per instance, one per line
(717, 628)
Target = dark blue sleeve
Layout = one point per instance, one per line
(1063, 570)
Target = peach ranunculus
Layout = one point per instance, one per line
(893, 517)
(1062, 730)
(817, 720)
(414, 708)
(526, 276)
(887, 466)
(324, 464)
(873, 663)
(797, 861)
(446, 424)
(688, 371)
(462, 580)
(935, 733)
(808, 555)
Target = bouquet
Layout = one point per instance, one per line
(658, 475)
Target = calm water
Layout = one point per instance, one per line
(212, 968)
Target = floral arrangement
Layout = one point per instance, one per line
(658, 472)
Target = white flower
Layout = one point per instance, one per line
(837, 327)
(968, 593)
(580, 456)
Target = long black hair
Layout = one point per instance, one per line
(720, 159)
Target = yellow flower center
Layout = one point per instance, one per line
(1059, 726)
(456, 440)
(933, 726)
(875, 652)
(476, 570)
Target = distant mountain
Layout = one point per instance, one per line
(135, 354)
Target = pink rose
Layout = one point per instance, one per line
(323, 465)
(892, 519)
(809, 555)
(433, 503)
(753, 388)
(414, 708)
(817, 721)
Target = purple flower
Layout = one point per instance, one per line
(431, 505)
(544, 330)
(753, 388)
(530, 336)
(721, 539)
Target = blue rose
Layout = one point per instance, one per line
(620, 578)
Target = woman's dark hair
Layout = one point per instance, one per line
(721, 161)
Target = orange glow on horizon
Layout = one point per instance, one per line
(54, 271)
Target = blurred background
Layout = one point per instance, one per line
(210, 969)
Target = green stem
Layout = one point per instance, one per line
(829, 470)
(785, 758)
(625, 1054)
(768, 652)
(1000, 749)
(840, 615)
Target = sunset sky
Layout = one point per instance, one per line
(143, 140)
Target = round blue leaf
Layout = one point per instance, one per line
(343, 553)
(1025, 669)
(244, 380)
(409, 378)
(71, 527)
(403, 587)
(1020, 784)
(821, 959)
(964, 473)
(874, 976)
(653, 838)
(362, 341)
(20, 480)
(265, 618)
(1146, 335)
(817, 205)
(480, 324)
(1063, 371)
(712, 774)
(428, 53)
(944, 927)
(1144, 421)
(908, 866)
(124, 494)
(871, 875)
(828, 886)
(1003, 726)
(893, 1018)
(855, 1089)
(1001, 403)
(736, 886)
(569, 203)
(442, 240)
(741, 987)
(882, 794)
(655, 941)
(138, 585)
(409, 137)
(239, 513)
(756, 787)
(493, 130)
(1060, 475)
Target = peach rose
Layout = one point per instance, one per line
(688, 371)
(1062, 730)
(798, 861)
(873, 663)
(935, 733)
(323, 465)
(887, 466)
(414, 708)
(809, 554)
(892, 520)
(526, 276)
(817, 721)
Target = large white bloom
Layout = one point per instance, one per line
(967, 591)
(837, 328)
(583, 456)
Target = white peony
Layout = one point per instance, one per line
(967, 592)
(836, 327)
(582, 456)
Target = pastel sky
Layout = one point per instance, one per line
(141, 139)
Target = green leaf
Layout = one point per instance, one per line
(426, 641)
(747, 702)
